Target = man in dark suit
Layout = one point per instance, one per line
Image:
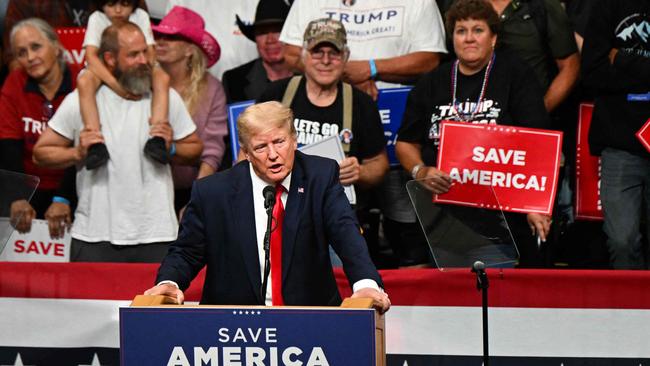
(224, 224)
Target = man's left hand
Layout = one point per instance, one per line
(380, 300)
(349, 171)
(164, 130)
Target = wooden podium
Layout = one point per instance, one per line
(155, 331)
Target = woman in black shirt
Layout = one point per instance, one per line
(481, 87)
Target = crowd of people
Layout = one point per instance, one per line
(119, 145)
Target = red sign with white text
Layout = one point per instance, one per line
(588, 206)
(644, 135)
(520, 165)
(72, 39)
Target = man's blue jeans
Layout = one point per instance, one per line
(625, 195)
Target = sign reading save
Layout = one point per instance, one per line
(519, 164)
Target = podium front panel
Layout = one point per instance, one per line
(246, 336)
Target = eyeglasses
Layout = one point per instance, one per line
(318, 54)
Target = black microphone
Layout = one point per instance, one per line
(478, 266)
(269, 197)
(269, 202)
(481, 277)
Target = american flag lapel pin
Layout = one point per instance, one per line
(301, 190)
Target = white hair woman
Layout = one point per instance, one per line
(30, 96)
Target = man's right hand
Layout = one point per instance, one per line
(349, 171)
(167, 289)
(22, 214)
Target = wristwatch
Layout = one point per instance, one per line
(415, 170)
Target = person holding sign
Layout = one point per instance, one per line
(30, 96)
(481, 86)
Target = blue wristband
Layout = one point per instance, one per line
(373, 69)
(172, 149)
(59, 199)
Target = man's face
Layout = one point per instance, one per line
(267, 38)
(132, 68)
(324, 64)
(271, 153)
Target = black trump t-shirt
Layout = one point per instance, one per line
(313, 123)
(512, 97)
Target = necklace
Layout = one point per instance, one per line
(455, 107)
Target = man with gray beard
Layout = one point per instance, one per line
(126, 207)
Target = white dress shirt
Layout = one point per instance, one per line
(260, 229)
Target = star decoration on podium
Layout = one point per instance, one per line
(17, 362)
(95, 361)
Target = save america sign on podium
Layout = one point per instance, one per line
(186, 336)
(521, 166)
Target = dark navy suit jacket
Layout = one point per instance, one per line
(218, 231)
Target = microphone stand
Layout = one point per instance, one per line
(267, 251)
(482, 285)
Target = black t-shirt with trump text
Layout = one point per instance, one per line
(313, 123)
(512, 97)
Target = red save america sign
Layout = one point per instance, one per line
(588, 205)
(644, 135)
(520, 165)
(72, 39)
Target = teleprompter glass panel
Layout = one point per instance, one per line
(458, 235)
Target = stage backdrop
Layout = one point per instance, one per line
(67, 314)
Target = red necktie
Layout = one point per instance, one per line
(276, 248)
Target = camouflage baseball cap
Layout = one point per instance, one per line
(325, 30)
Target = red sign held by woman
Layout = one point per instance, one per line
(520, 165)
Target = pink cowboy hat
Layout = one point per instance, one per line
(186, 23)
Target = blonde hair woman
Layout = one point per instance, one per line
(185, 50)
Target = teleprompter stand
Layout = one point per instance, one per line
(482, 285)
(465, 236)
